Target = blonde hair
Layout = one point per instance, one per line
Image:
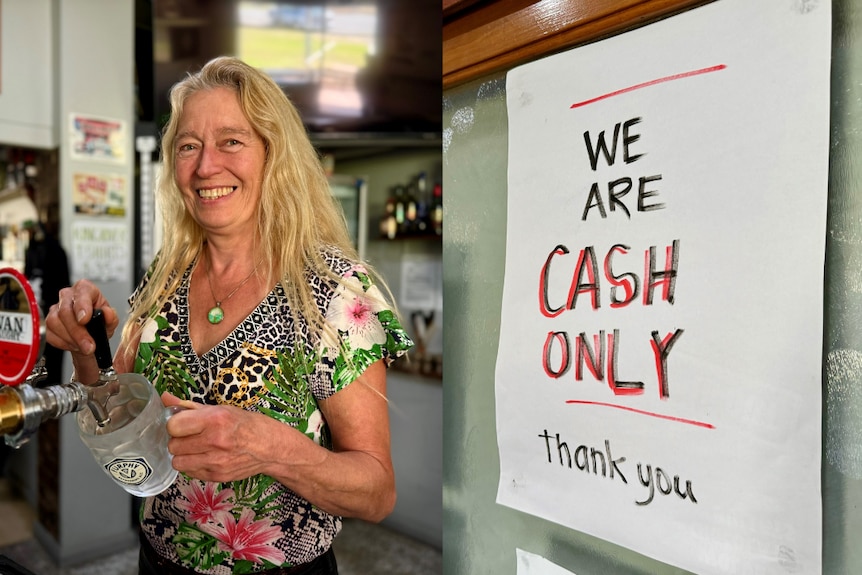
(297, 211)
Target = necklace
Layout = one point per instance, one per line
(216, 313)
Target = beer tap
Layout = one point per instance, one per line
(107, 386)
(23, 408)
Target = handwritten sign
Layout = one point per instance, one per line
(100, 250)
(658, 372)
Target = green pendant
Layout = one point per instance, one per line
(215, 315)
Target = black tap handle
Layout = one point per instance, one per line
(97, 330)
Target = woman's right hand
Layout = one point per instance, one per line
(67, 319)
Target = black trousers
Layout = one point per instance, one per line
(151, 563)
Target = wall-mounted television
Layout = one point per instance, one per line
(355, 69)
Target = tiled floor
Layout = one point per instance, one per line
(361, 549)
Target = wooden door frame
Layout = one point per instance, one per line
(485, 36)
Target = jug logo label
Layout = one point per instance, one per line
(129, 471)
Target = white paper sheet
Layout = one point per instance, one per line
(532, 564)
(100, 250)
(695, 438)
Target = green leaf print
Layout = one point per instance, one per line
(243, 566)
(397, 340)
(387, 317)
(145, 354)
(289, 396)
(364, 279)
(162, 363)
(350, 363)
(249, 493)
(197, 548)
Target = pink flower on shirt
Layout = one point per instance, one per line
(205, 505)
(247, 539)
(355, 312)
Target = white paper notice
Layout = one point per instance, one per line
(420, 283)
(532, 564)
(659, 367)
(100, 250)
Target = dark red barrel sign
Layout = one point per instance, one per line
(20, 329)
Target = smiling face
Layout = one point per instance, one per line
(219, 162)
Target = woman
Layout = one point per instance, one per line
(258, 311)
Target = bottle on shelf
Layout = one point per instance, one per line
(413, 209)
(388, 225)
(410, 212)
(400, 207)
(12, 180)
(423, 217)
(30, 172)
(437, 209)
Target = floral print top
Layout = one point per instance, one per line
(258, 523)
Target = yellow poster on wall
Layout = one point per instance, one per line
(99, 194)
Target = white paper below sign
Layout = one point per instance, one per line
(532, 564)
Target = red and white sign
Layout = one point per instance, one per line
(20, 336)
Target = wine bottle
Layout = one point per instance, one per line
(437, 211)
(388, 225)
(410, 211)
(400, 206)
(423, 202)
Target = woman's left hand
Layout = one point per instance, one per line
(214, 442)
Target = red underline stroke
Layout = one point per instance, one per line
(650, 83)
(642, 412)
